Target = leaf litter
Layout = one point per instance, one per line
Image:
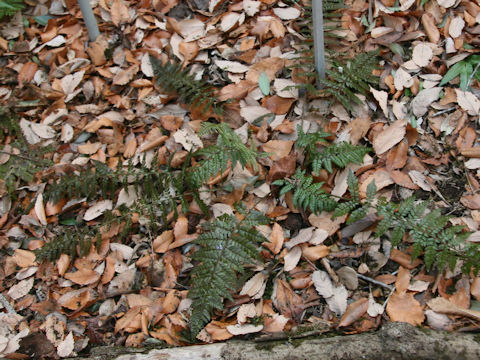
(99, 100)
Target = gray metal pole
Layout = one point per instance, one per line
(89, 18)
(318, 40)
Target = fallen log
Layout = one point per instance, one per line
(395, 341)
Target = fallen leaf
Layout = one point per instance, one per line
(422, 54)
(292, 258)
(83, 276)
(424, 98)
(276, 239)
(65, 347)
(404, 259)
(238, 329)
(278, 148)
(255, 286)
(468, 102)
(354, 312)
(389, 137)
(456, 27)
(21, 288)
(382, 98)
(97, 209)
(287, 13)
(119, 12)
(404, 307)
(444, 306)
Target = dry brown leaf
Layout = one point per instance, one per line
(21, 288)
(24, 258)
(77, 299)
(83, 276)
(402, 179)
(468, 102)
(354, 312)
(424, 98)
(475, 288)
(277, 105)
(287, 301)
(397, 157)
(119, 12)
(255, 286)
(65, 347)
(471, 201)
(389, 137)
(313, 253)
(278, 148)
(27, 73)
(292, 258)
(404, 259)
(382, 98)
(405, 308)
(403, 280)
(444, 306)
(276, 239)
(382, 179)
(428, 22)
(422, 54)
(269, 65)
(123, 76)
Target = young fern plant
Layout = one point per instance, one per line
(174, 79)
(440, 244)
(339, 154)
(228, 150)
(226, 246)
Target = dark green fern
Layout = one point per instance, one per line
(24, 160)
(174, 79)
(216, 158)
(306, 193)
(347, 77)
(10, 7)
(340, 154)
(227, 245)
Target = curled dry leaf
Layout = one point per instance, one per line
(444, 306)
(292, 258)
(354, 312)
(255, 286)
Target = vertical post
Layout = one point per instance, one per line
(89, 18)
(318, 40)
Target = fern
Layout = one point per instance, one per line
(159, 193)
(227, 245)
(441, 244)
(336, 154)
(347, 77)
(228, 149)
(306, 193)
(24, 160)
(10, 7)
(172, 78)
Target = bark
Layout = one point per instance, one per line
(393, 341)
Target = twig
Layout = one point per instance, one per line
(472, 75)
(22, 157)
(373, 281)
(438, 113)
(7, 305)
(330, 271)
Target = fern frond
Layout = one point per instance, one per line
(172, 78)
(338, 154)
(10, 7)
(306, 193)
(228, 149)
(227, 245)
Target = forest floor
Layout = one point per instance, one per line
(75, 102)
